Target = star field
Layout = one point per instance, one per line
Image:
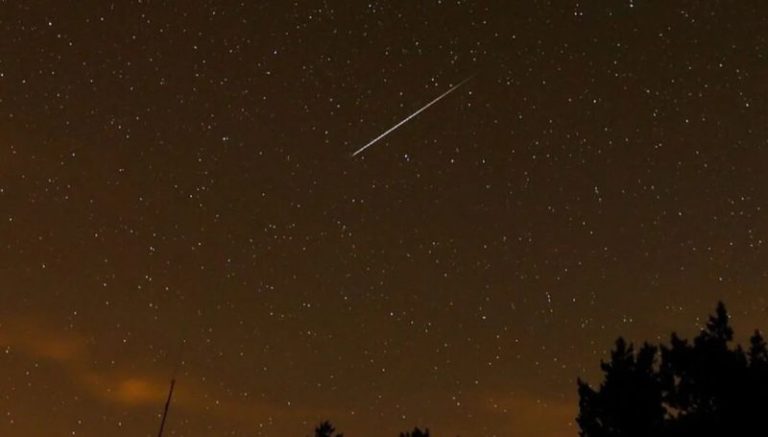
(177, 195)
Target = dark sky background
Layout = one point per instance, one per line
(179, 173)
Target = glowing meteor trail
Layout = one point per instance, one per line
(405, 120)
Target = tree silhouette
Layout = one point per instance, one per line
(701, 388)
(326, 429)
(628, 402)
(758, 376)
(416, 433)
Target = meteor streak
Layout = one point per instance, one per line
(405, 120)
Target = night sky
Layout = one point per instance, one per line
(178, 195)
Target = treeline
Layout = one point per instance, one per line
(326, 429)
(704, 387)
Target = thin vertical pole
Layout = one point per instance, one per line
(167, 405)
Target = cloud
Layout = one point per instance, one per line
(32, 339)
(129, 390)
(69, 350)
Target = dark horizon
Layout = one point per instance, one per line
(178, 197)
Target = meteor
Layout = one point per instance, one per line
(405, 120)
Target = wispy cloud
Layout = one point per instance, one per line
(71, 351)
(29, 337)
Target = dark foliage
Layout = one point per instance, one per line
(702, 388)
(326, 429)
(416, 433)
(628, 402)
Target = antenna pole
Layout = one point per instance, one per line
(167, 405)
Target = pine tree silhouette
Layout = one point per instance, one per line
(628, 403)
(416, 433)
(758, 352)
(700, 388)
(706, 381)
(326, 429)
(757, 396)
